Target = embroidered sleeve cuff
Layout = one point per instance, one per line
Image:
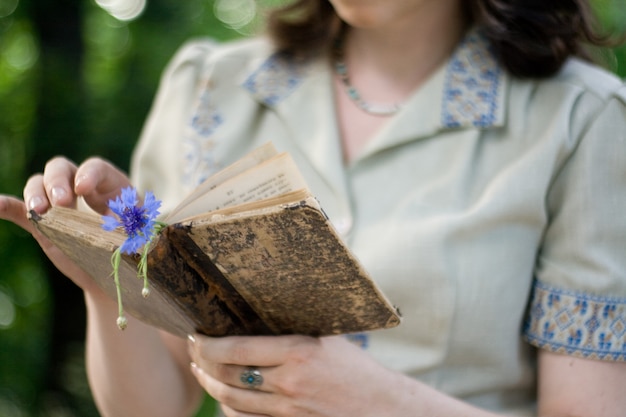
(577, 323)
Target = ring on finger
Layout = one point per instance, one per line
(251, 378)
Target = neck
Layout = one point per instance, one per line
(396, 59)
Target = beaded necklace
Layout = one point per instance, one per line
(376, 109)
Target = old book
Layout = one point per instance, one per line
(249, 252)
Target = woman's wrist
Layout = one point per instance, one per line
(99, 305)
(418, 399)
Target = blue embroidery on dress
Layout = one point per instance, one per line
(275, 79)
(360, 339)
(206, 118)
(199, 160)
(470, 96)
(576, 323)
(199, 143)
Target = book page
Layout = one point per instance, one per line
(255, 157)
(259, 207)
(276, 176)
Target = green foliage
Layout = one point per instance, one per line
(24, 301)
(73, 81)
(76, 81)
(612, 15)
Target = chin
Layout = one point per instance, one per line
(359, 14)
(363, 21)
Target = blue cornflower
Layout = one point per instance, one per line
(140, 225)
(137, 221)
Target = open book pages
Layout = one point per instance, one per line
(260, 175)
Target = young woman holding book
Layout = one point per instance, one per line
(474, 163)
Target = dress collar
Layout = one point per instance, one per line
(276, 78)
(471, 90)
(474, 86)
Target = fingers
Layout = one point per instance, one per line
(236, 401)
(201, 351)
(252, 362)
(253, 351)
(259, 379)
(229, 412)
(55, 187)
(62, 182)
(99, 181)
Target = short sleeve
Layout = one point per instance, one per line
(578, 306)
(157, 159)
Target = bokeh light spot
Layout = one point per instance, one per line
(7, 311)
(235, 13)
(21, 51)
(124, 10)
(7, 7)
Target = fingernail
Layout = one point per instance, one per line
(191, 338)
(35, 203)
(195, 368)
(78, 180)
(58, 193)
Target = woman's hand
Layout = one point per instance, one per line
(61, 183)
(302, 376)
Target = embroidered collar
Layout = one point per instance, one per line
(472, 94)
(275, 79)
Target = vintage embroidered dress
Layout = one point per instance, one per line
(491, 210)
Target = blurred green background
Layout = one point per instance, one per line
(77, 78)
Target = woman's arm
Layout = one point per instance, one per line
(136, 372)
(574, 387)
(331, 377)
(139, 371)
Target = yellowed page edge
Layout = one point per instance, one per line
(276, 176)
(272, 203)
(251, 159)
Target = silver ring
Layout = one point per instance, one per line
(251, 378)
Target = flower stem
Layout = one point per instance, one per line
(142, 269)
(115, 261)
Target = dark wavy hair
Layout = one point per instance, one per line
(531, 38)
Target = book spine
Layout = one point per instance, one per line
(177, 266)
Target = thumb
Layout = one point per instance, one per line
(14, 210)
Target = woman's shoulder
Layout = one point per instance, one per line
(580, 94)
(203, 53)
(595, 85)
(593, 79)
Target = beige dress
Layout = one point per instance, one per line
(491, 210)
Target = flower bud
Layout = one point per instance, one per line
(122, 322)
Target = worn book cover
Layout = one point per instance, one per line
(270, 266)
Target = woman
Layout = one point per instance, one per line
(476, 168)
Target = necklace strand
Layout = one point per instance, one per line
(376, 109)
